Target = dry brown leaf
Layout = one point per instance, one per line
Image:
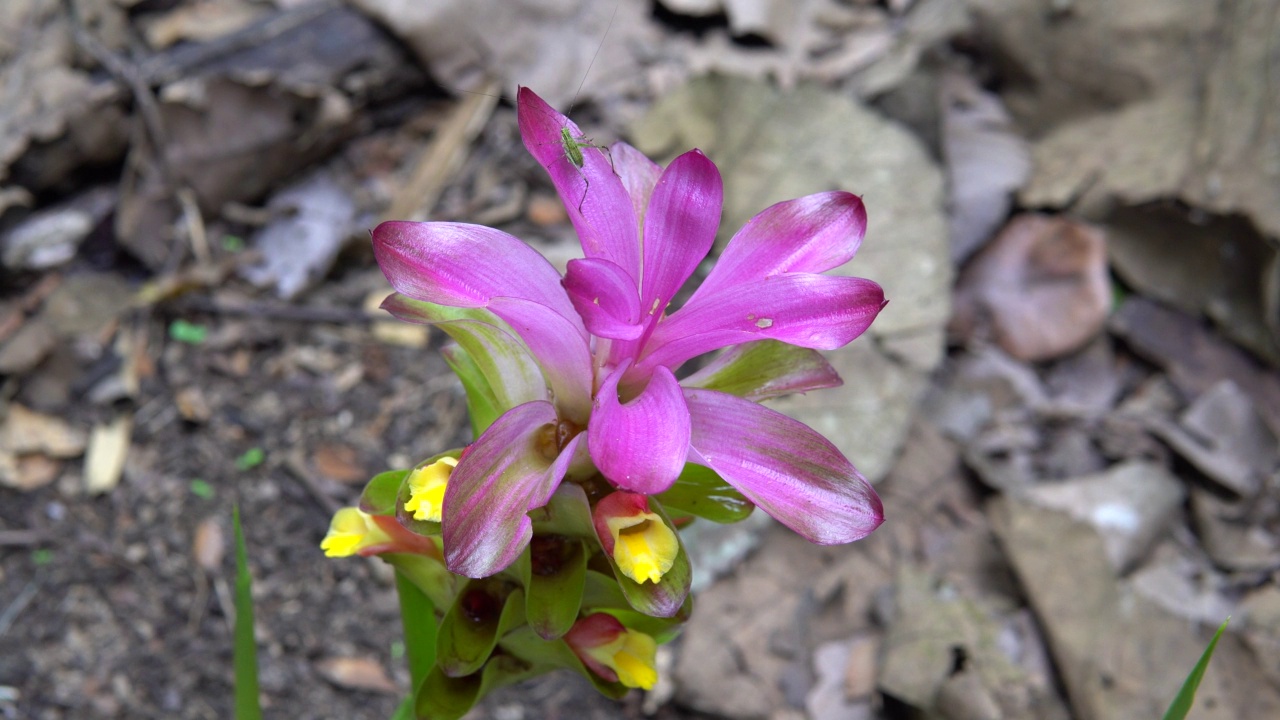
(1040, 289)
(25, 431)
(356, 673)
(27, 472)
(209, 545)
(339, 462)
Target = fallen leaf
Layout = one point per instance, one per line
(986, 162)
(315, 219)
(1040, 290)
(339, 462)
(209, 545)
(27, 472)
(356, 673)
(27, 347)
(24, 431)
(547, 46)
(1222, 436)
(107, 451)
(1195, 358)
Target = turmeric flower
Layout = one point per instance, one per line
(583, 369)
(613, 651)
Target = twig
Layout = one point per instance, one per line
(127, 75)
(195, 225)
(276, 311)
(297, 467)
(16, 607)
(21, 538)
(444, 155)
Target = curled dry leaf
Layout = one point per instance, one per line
(1040, 290)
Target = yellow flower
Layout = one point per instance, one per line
(633, 656)
(350, 531)
(608, 648)
(426, 489)
(640, 542)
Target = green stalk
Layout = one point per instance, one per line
(245, 651)
(418, 616)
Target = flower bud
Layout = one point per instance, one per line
(613, 651)
(642, 545)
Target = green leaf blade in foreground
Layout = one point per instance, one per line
(1186, 696)
(245, 651)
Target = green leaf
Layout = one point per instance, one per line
(252, 458)
(188, 332)
(1187, 694)
(245, 652)
(482, 406)
(494, 354)
(701, 492)
(428, 574)
(483, 611)
(201, 489)
(379, 496)
(554, 570)
(765, 369)
(524, 644)
(418, 616)
(441, 697)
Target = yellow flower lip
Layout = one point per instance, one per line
(641, 544)
(644, 550)
(351, 531)
(426, 489)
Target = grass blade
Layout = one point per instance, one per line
(418, 615)
(1187, 695)
(245, 649)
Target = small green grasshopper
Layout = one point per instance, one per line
(573, 152)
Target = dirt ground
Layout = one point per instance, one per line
(1070, 408)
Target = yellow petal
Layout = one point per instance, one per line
(643, 546)
(426, 489)
(350, 530)
(633, 656)
(636, 662)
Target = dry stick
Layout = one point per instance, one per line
(444, 155)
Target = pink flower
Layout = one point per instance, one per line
(598, 351)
